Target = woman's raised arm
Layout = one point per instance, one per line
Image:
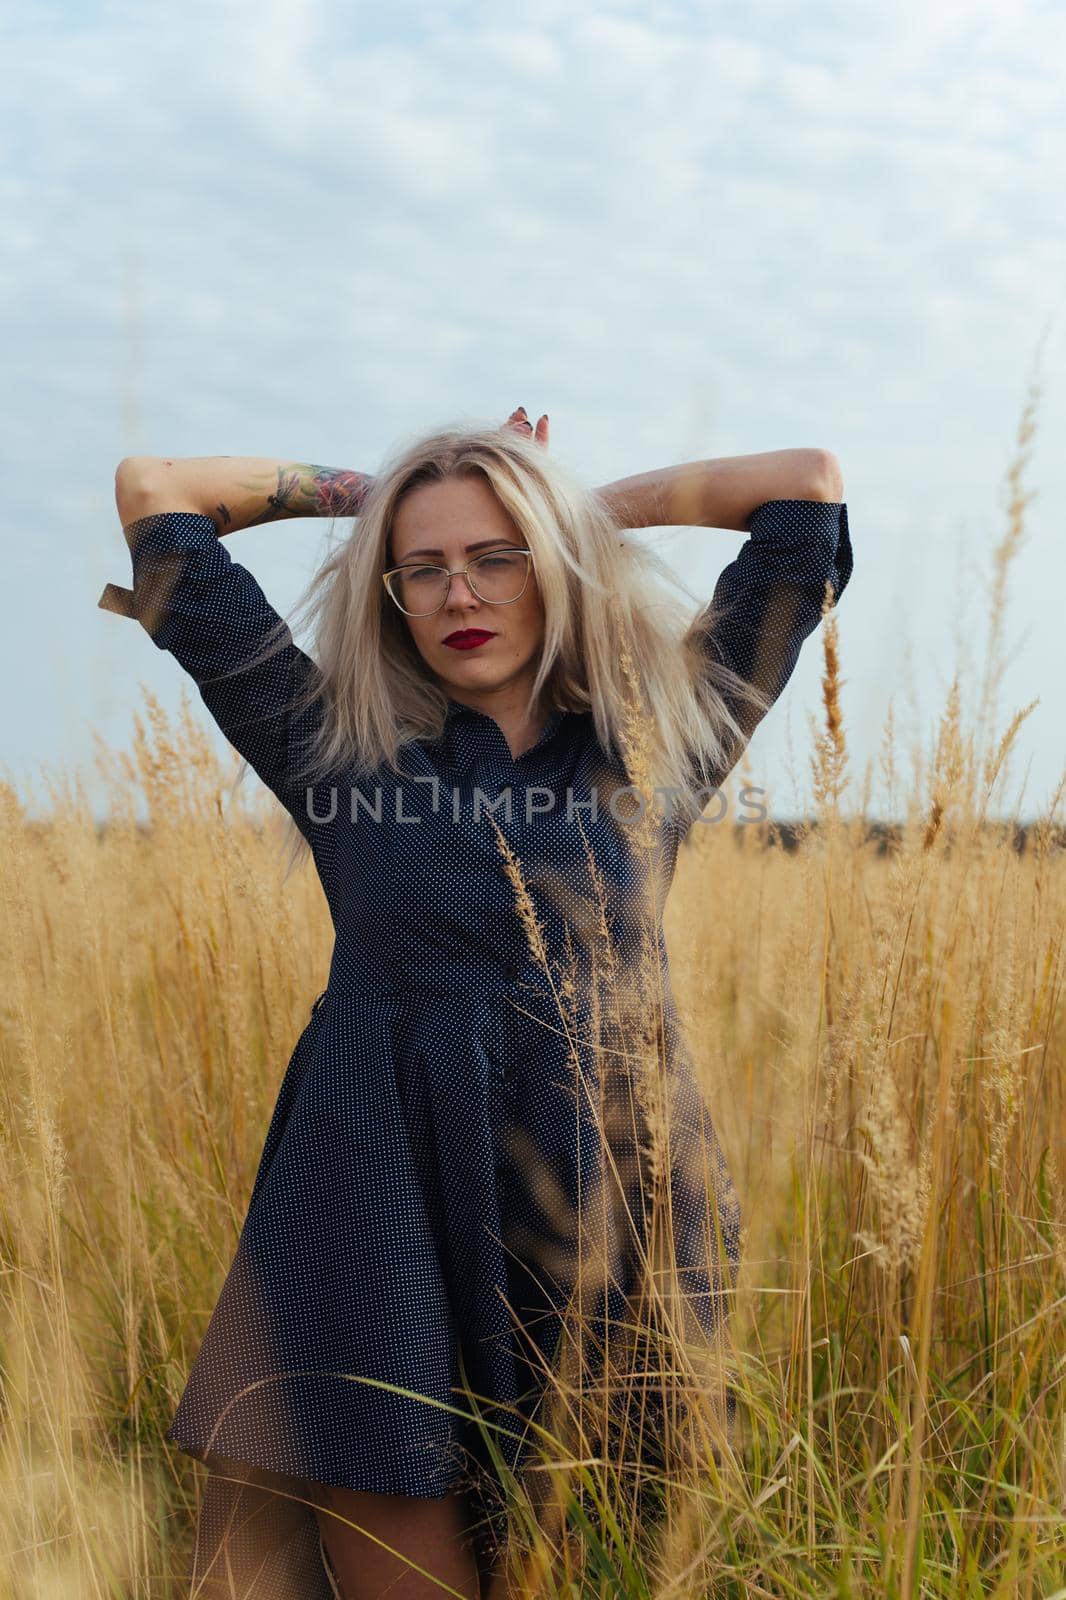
(243, 491)
(236, 491)
(721, 492)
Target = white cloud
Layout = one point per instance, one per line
(681, 229)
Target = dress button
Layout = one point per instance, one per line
(506, 1074)
(510, 972)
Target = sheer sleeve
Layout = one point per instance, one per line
(209, 612)
(769, 599)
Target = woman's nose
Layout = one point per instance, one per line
(459, 589)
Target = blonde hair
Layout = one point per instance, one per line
(600, 590)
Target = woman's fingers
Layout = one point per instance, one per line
(521, 424)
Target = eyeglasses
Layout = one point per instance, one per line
(499, 577)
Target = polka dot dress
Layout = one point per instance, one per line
(412, 1224)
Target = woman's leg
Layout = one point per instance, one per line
(257, 1536)
(432, 1532)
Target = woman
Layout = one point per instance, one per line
(500, 679)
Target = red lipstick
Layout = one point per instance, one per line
(468, 638)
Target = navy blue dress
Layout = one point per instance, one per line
(427, 1141)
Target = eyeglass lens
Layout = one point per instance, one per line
(497, 577)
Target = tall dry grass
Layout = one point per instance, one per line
(877, 1022)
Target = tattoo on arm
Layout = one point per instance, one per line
(297, 489)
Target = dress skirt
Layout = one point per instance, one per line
(411, 1242)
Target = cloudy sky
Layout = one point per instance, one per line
(309, 230)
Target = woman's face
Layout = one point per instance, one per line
(448, 524)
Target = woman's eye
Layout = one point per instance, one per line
(503, 558)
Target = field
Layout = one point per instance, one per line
(877, 1016)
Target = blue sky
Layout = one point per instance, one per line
(309, 231)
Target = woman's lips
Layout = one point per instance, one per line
(468, 638)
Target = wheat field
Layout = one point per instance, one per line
(877, 1017)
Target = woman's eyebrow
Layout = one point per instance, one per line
(481, 544)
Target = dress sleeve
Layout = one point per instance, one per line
(769, 599)
(209, 612)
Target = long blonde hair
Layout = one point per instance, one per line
(600, 590)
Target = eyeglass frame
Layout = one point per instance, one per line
(518, 550)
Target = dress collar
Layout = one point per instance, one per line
(475, 734)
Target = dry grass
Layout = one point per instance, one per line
(879, 1035)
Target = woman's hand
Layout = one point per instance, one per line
(521, 424)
